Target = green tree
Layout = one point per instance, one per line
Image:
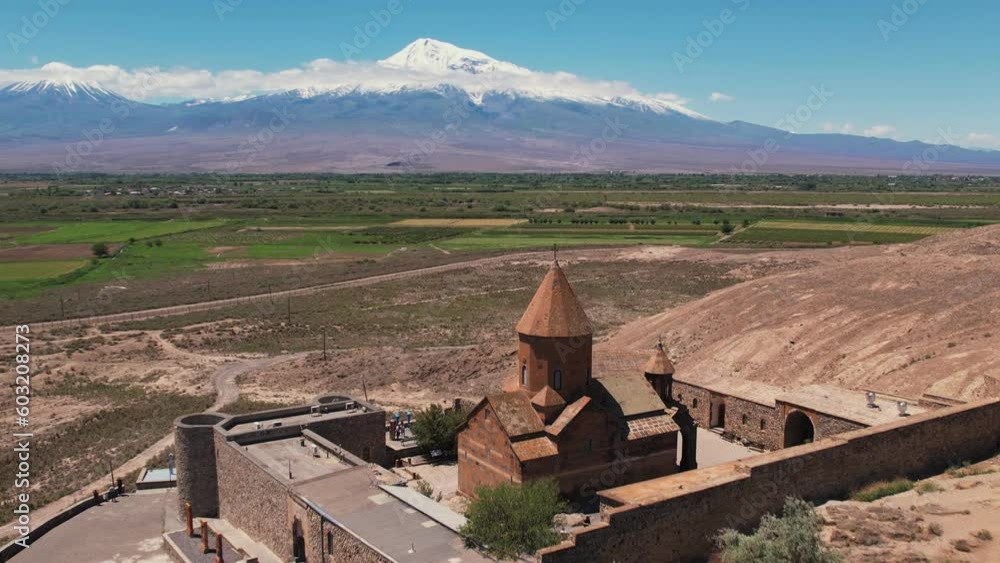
(508, 520)
(100, 250)
(791, 538)
(437, 429)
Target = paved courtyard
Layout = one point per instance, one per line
(127, 531)
(713, 450)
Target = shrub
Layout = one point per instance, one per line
(508, 520)
(929, 487)
(437, 429)
(424, 488)
(935, 529)
(882, 489)
(962, 545)
(984, 535)
(791, 538)
(100, 250)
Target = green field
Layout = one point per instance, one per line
(181, 239)
(829, 232)
(500, 240)
(112, 231)
(37, 269)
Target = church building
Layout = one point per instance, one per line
(556, 418)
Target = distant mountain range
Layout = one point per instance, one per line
(441, 108)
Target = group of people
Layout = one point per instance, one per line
(398, 426)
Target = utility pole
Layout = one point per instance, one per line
(324, 345)
(62, 307)
(289, 303)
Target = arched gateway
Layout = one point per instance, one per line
(798, 429)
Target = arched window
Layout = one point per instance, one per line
(524, 375)
(744, 419)
(763, 424)
(694, 403)
(557, 379)
(329, 542)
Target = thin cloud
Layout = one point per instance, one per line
(985, 140)
(720, 97)
(879, 131)
(158, 84)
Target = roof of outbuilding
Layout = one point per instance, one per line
(554, 311)
(626, 395)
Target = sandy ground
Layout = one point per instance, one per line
(904, 320)
(943, 525)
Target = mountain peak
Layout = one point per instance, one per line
(66, 88)
(440, 57)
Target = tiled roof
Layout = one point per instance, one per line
(650, 426)
(534, 448)
(626, 395)
(547, 397)
(567, 416)
(659, 363)
(516, 414)
(554, 311)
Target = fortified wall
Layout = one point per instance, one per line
(674, 518)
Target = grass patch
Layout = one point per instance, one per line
(966, 469)
(926, 487)
(243, 405)
(882, 489)
(116, 231)
(37, 270)
(77, 453)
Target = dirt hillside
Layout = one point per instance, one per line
(904, 319)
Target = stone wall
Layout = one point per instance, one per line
(361, 433)
(485, 456)
(697, 400)
(757, 424)
(194, 447)
(674, 518)
(253, 500)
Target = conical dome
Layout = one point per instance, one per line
(554, 311)
(659, 363)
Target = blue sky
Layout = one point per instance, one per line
(935, 69)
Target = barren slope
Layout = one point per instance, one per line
(907, 319)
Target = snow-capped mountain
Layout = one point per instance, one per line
(67, 90)
(431, 106)
(437, 57)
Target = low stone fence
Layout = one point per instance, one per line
(674, 518)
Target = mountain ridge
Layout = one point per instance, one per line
(432, 106)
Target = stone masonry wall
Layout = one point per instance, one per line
(676, 524)
(362, 434)
(194, 445)
(688, 395)
(253, 500)
(758, 424)
(827, 426)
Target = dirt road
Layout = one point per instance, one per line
(250, 299)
